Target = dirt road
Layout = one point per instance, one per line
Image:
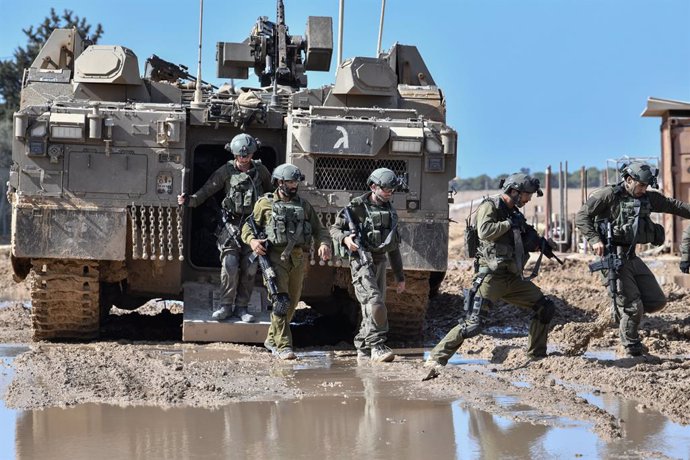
(159, 370)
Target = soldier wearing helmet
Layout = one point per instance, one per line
(291, 224)
(376, 235)
(244, 180)
(627, 206)
(501, 257)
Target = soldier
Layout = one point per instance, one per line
(502, 255)
(290, 223)
(685, 251)
(245, 180)
(627, 206)
(375, 236)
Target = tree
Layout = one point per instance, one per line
(11, 70)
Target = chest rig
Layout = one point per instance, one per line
(633, 223)
(378, 225)
(500, 252)
(242, 189)
(288, 224)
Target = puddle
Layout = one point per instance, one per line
(357, 413)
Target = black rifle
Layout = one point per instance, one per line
(535, 242)
(158, 69)
(364, 256)
(232, 231)
(265, 264)
(610, 262)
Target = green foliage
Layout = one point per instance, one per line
(11, 70)
(485, 182)
(5, 144)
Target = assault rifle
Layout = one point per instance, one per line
(233, 233)
(533, 242)
(355, 232)
(610, 262)
(280, 300)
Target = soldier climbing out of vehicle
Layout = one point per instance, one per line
(367, 229)
(628, 205)
(505, 240)
(244, 180)
(290, 224)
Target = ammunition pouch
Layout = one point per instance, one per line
(471, 241)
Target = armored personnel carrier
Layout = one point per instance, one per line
(101, 153)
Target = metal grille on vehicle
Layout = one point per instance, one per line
(351, 173)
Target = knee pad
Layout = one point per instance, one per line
(281, 304)
(544, 310)
(472, 326)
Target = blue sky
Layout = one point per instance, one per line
(528, 83)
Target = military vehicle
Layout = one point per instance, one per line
(101, 153)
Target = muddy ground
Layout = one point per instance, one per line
(141, 361)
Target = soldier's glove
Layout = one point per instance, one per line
(684, 266)
(517, 220)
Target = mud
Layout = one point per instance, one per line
(141, 361)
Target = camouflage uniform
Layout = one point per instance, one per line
(270, 214)
(502, 280)
(241, 192)
(685, 251)
(369, 280)
(638, 290)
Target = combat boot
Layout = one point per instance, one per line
(285, 353)
(243, 314)
(223, 312)
(382, 354)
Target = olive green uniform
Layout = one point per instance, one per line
(685, 246)
(242, 189)
(290, 227)
(638, 290)
(502, 280)
(379, 237)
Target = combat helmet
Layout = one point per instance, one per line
(522, 183)
(287, 172)
(642, 172)
(242, 145)
(384, 177)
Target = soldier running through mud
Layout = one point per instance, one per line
(368, 228)
(244, 180)
(626, 207)
(505, 240)
(290, 223)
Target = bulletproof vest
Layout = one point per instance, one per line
(242, 189)
(624, 231)
(378, 224)
(288, 223)
(502, 251)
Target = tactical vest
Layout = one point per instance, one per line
(624, 222)
(242, 189)
(502, 251)
(288, 223)
(378, 225)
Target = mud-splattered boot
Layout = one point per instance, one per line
(243, 314)
(382, 354)
(223, 312)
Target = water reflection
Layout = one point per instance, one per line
(360, 411)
